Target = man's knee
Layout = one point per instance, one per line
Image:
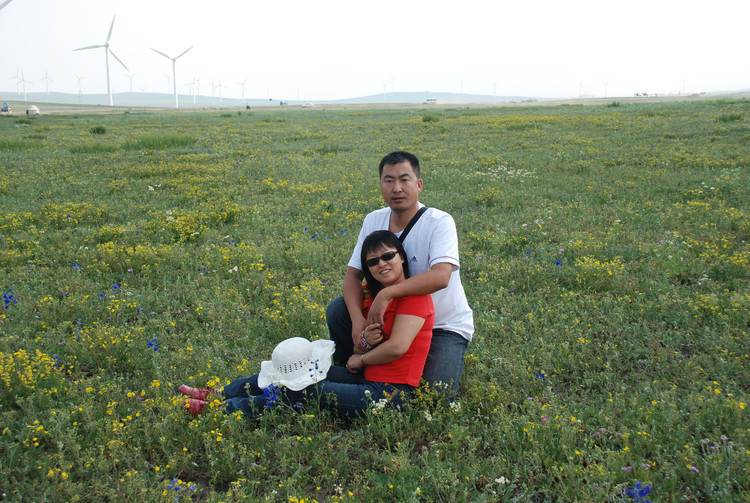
(445, 360)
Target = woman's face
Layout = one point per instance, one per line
(386, 265)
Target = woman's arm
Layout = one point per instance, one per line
(405, 329)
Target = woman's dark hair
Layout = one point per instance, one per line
(376, 241)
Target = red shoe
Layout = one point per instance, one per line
(199, 393)
(195, 406)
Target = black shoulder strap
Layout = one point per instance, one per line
(411, 223)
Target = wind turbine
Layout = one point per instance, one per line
(219, 86)
(4, 4)
(196, 87)
(130, 76)
(174, 72)
(107, 52)
(243, 88)
(46, 80)
(23, 83)
(18, 81)
(80, 92)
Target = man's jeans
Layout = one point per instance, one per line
(445, 361)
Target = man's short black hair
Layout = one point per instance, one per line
(397, 157)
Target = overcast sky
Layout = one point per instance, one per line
(329, 49)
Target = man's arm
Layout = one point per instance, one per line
(430, 281)
(353, 297)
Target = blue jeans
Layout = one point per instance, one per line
(445, 361)
(348, 394)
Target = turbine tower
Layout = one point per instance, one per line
(23, 83)
(243, 88)
(47, 80)
(80, 91)
(107, 52)
(174, 72)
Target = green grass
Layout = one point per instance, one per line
(604, 250)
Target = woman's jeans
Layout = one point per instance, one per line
(348, 394)
(445, 361)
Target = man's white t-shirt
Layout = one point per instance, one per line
(432, 240)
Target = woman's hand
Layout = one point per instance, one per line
(354, 363)
(372, 335)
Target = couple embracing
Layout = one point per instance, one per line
(410, 320)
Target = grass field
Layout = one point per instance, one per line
(604, 251)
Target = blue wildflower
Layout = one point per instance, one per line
(271, 394)
(528, 253)
(152, 344)
(76, 266)
(115, 288)
(57, 360)
(541, 375)
(558, 263)
(639, 492)
(9, 298)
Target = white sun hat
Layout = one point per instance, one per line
(297, 363)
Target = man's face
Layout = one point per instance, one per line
(400, 186)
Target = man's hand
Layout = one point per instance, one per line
(357, 327)
(378, 307)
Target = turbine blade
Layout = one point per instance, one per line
(88, 47)
(4, 4)
(118, 59)
(183, 52)
(110, 28)
(161, 53)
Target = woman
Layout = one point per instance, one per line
(390, 369)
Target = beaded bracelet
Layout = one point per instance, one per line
(365, 344)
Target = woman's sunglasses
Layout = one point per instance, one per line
(384, 257)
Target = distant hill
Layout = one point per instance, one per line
(163, 100)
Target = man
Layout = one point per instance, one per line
(432, 248)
